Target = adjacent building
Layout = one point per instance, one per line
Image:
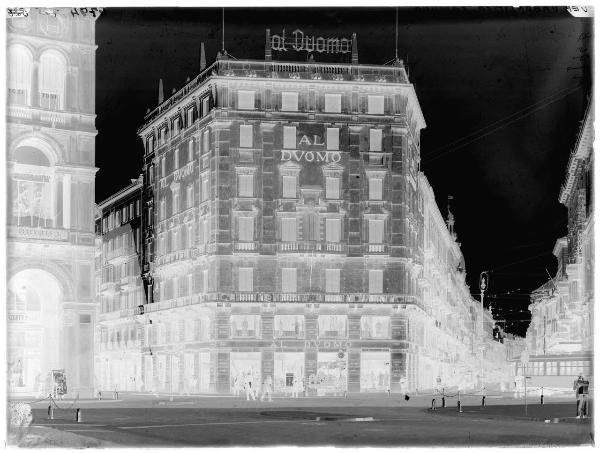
(50, 221)
(560, 337)
(283, 230)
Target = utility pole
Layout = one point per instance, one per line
(483, 285)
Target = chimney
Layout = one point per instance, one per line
(354, 49)
(268, 56)
(161, 94)
(202, 57)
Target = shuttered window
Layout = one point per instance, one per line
(375, 189)
(288, 229)
(332, 230)
(332, 280)
(289, 187)
(333, 103)
(288, 280)
(332, 187)
(246, 279)
(375, 105)
(246, 229)
(289, 101)
(246, 100)
(375, 281)
(289, 137)
(333, 138)
(246, 136)
(246, 185)
(375, 139)
(375, 231)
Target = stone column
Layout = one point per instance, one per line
(66, 205)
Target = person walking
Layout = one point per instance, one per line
(248, 386)
(267, 388)
(581, 386)
(295, 387)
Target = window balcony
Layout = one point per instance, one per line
(119, 255)
(177, 255)
(245, 297)
(380, 249)
(286, 247)
(245, 246)
(331, 247)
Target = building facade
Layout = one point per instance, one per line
(560, 337)
(118, 338)
(283, 222)
(50, 226)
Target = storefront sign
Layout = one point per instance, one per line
(39, 233)
(305, 43)
(311, 156)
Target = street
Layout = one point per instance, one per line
(361, 420)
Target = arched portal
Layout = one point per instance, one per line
(34, 337)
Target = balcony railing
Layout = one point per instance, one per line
(177, 255)
(120, 254)
(376, 248)
(245, 246)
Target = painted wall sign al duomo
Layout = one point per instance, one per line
(300, 42)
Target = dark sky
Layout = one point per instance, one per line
(503, 92)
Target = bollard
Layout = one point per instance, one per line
(483, 401)
(433, 404)
(443, 401)
(78, 417)
(50, 412)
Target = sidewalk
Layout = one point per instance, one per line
(42, 436)
(549, 413)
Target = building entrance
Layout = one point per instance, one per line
(374, 371)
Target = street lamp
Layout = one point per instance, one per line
(483, 285)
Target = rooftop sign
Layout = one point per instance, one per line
(300, 42)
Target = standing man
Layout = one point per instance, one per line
(581, 386)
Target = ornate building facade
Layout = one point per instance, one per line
(560, 337)
(283, 222)
(50, 159)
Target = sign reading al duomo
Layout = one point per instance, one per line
(280, 227)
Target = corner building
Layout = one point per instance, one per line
(50, 149)
(283, 230)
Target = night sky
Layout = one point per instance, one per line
(503, 92)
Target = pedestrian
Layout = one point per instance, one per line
(267, 388)
(236, 386)
(256, 384)
(581, 386)
(248, 387)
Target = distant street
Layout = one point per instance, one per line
(360, 420)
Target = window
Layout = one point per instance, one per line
(288, 280)
(205, 188)
(333, 138)
(205, 280)
(190, 117)
(290, 326)
(374, 327)
(288, 229)
(176, 126)
(333, 103)
(289, 101)
(332, 230)
(245, 185)
(246, 100)
(332, 187)
(246, 229)
(246, 136)
(332, 280)
(375, 139)
(176, 159)
(205, 141)
(191, 150)
(163, 167)
(375, 189)
(245, 326)
(246, 279)
(205, 106)
(375, 231)
(189, 195)
(289, 137)
(163, 209)
(52, 76)
(205, 231)
(289, 187)
(175, 206)
(375, 105)
(375, 281)
(332, 326)
(20, 62)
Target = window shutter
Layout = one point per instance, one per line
(375, 139)
(332, 280)
(333, 138)
(289, 102)
(289, 187)
(375, 281)
(246, 229)
(289, 137)
(246, 136)
(375, 189)
(245, 279)
(375, 231)
(246, 185)
(246, 100)
(332, 230)
(332, 187)
(376, 105)
(333, 103)
(288, 229)
(288, 280)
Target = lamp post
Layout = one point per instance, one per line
(483, 284)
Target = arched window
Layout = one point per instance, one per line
(52, 76)
(20, 63)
